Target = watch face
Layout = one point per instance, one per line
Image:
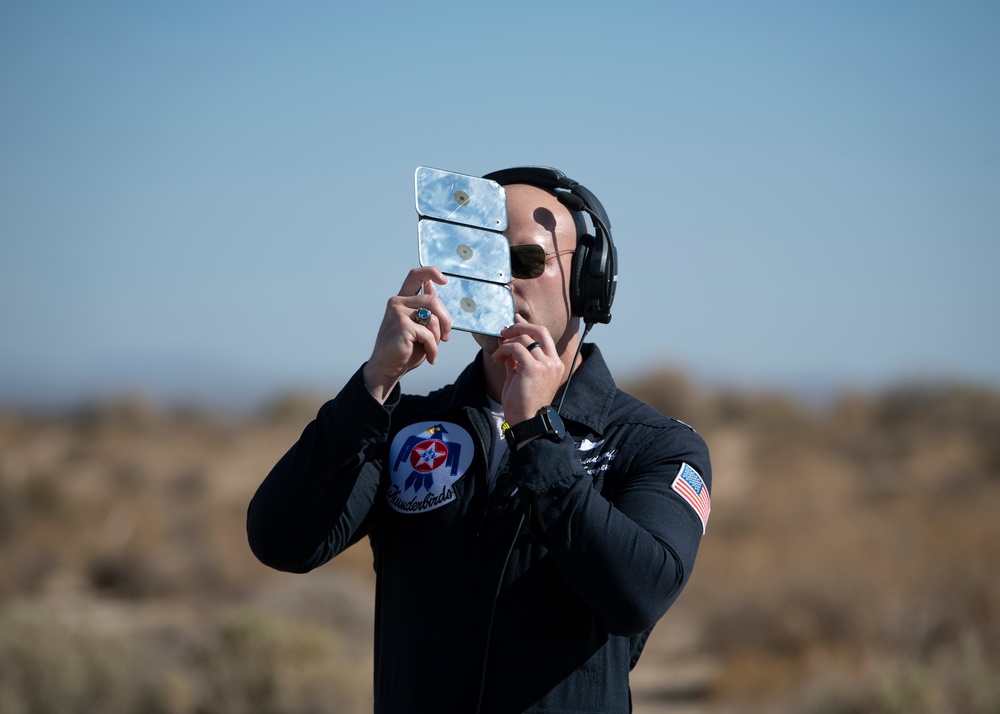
(555, 425)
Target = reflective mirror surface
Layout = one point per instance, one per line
(476, 305)
(464, 251)
(460, 233)
(469, 200)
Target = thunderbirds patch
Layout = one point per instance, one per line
(426, 460)
(693, 490)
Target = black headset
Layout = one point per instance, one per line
(595, 263)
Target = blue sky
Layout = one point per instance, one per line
(213, 201)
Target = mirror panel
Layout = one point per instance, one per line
(477, 306)
(458, 198)
(464, 251)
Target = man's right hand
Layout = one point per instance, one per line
(403, 344)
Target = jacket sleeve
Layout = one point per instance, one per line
(319, 498)
(627, 555)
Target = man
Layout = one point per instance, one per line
(520, 577)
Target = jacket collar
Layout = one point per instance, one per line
(591, 391)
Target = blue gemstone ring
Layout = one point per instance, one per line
(422, 316)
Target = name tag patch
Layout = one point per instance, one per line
(426, 459)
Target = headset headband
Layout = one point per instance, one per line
(550, 178)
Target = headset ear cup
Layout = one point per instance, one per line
(594, 275)
(578, 277)
(611, 281)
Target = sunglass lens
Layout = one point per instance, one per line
(527, 261)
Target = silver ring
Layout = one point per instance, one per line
(533, 345)
(422, 316)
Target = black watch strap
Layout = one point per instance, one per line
(546, 423)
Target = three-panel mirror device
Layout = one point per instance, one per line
(460, 231)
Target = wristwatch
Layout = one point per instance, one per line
(546, 423)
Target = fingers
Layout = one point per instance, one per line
(423, 335)
(418, 291)
(531, 351)
(439, 324)
(422, 278)
(522, 335)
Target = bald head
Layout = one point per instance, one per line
(536, 212)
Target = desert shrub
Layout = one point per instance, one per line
(296, 407)
(257, 663)
(245, 663)
(44, 495)
(125, 574)
(962, 683)
(672, 394)
(905, 418)
(787, 617)
(50, 667)
(10, 510)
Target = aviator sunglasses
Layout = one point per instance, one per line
(528, 261)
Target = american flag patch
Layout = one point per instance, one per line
(693, 490)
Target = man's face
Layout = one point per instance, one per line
(535, 216)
